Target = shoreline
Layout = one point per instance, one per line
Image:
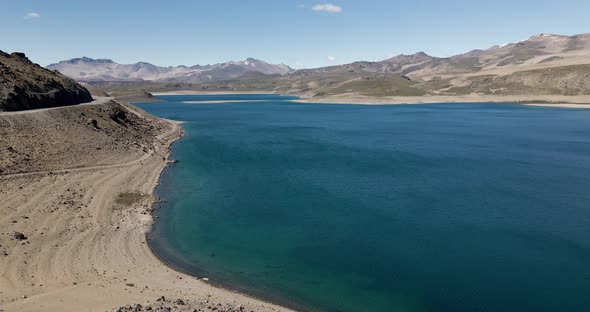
(561, 101)
(86, 252)
(548, 100)
(221, 102)
(217, 284)
(191, 92)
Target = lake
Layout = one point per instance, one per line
(433, 207)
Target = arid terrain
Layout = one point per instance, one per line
(76, 189)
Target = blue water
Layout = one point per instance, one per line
(443, 207)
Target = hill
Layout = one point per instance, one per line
(25, 85)
(545, 50)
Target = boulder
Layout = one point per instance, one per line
(19, 236)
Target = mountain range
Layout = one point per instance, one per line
(104, 70)
(545, 49)
(540, 65)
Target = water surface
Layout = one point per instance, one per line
(442, 207)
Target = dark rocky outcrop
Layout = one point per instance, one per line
(119, 116)
(19, 236)
(25, 85)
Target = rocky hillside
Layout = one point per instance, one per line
(570, 80)
(77, 136)
(545, 50)
(25, 85)
(104, 70)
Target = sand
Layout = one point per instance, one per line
(192, 92)
(541, 100)
(85, 251)
(221, 102)
(546, 100)
(564, 105)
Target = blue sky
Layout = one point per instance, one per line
(300, 33)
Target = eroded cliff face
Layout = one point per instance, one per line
(26, 85)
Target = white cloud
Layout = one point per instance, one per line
(327, 7)
(32, 15)
(331, 58)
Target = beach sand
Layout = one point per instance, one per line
(192, 92)
(561, 105)
(546, 100)
(563, 101)
(221, 102)
(86, 217)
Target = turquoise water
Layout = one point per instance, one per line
(447, 207)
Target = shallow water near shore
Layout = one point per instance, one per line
(438, 207)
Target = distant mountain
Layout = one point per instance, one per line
(25, 85)
(541, 65)
(396, 65)
(544, 64)
(543, 48)
(104, 70)
(540, 49)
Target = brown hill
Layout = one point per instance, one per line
(25, 85)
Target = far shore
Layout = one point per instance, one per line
(546, 100)
(221, 102)
(580, 101)
(191, 92)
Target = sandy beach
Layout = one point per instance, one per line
(192, 92)
(545, 100)
(562, 105)
(221, 102)
(542, 100)
(84, 218)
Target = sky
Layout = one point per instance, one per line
(299, 33)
